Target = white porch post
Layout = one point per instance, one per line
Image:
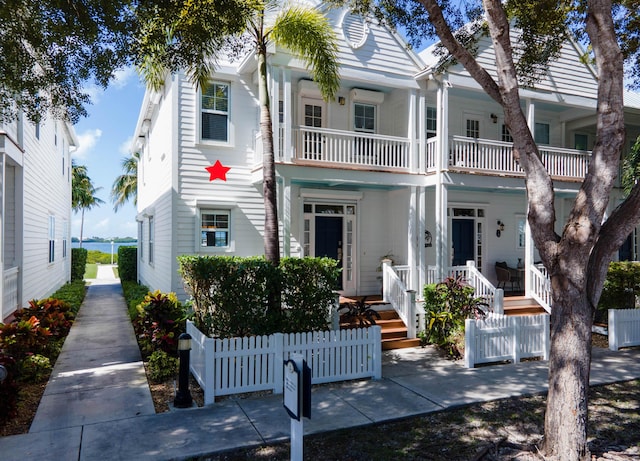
(286, 216)
(413, 151)
(3, 185)
(528, 239)
(275, 112)
(287, 119)
(422, 226)
(412, 238)
(422, 132)
(441, 230)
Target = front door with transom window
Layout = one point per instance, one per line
(329, 230)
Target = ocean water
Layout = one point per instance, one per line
(104, 247)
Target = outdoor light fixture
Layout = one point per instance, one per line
(494, 117)
(427, 239)
(500, 228)
(183, 396)
(341, 100)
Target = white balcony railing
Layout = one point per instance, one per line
(327, 146)
(496, 156)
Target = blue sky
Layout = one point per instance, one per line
(105, 136)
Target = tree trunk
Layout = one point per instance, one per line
(271, 239)
(569, 365)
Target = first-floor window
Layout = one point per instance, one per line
(141, 243)
(214, 228)
(52, 238)
(65, 231)
(151, 231)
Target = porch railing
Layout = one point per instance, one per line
(10, 291)
(395, 292)
(541, 287)
(328, 146)
(496, 156)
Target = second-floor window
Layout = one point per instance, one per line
(473, 128)
(432, 122)
(541, 134)
(506, 136)
(364, 118)
(215, 112)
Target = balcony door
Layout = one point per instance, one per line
(313, 116)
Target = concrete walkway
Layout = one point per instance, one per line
(97, 405)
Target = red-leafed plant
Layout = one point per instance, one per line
(161, 319)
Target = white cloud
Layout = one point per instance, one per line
(94, 91)
(102, 224)
(125, 147)
(86, 142)
(122, 76)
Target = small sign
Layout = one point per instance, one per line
(292, 389)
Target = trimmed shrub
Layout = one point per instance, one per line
(621, 288)
(447, 305)
(161, 320)
(162, 366)
(128, 263)
(78, 261)
(34, 368)
(232, 295)
(134, 294)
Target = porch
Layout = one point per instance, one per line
(368, 151)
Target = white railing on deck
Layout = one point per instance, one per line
(238, 365)
(395, 292)
(10, 292)
(498, 337)
(541, 287)
(623, 328)
(404, 274)
(327, 146)
(491, 155)
(431, 153)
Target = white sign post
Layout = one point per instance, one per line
(297, 400)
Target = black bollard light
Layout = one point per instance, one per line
(183, 396)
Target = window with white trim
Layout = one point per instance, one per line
(541, 133)
(432, 122)
(215, 229)
(215, 112)
(473, 128)
(506, 134)
(364, 117)
(52, 239)
(65, 231)
(151, 236)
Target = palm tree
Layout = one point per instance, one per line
(83, 192)
(125, 187)
(304, 31)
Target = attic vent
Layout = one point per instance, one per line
(354, 29)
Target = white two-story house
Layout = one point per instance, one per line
(405, 162)
(35, 210)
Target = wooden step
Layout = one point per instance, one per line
(388, 315)
(399, 344)
(394, 333)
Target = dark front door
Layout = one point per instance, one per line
(329, 239)
(462, 236)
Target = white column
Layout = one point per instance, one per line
(413, 151)
(286, 216)
(441, 230)
(422, 132)
(412, 238)
(288, 118)
(421, 272)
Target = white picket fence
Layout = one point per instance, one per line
(498, 337)
(238, 365)
(624, 328)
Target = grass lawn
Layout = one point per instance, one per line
(90, 271)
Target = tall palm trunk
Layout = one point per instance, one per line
(271, 238)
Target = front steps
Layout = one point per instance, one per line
(521, 305)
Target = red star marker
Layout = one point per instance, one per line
(217, 171)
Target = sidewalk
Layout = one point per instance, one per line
(97, 404)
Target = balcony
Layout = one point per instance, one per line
(368, 151)
(485, 156)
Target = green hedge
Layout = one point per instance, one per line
(231, 295)
(128, 263)
(621, 288)
(78, 261)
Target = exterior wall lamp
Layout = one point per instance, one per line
(500, 228)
